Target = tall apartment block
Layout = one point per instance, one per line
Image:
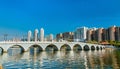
(36, 35)
(91, 34)
(29, 36)
(80, 34)
(101, 34)
(41, 34)
(117, 33)
(111, 32)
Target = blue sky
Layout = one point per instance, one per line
(19, 16)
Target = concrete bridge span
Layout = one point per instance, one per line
(55, 45)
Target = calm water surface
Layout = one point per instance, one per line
(101, 59)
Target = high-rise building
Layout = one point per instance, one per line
(94, 35)
(36, 35)
(41, 34)
(89, 34)
(80, 34)
(51, 37)
(59, 37)
(99, 34)
(105, 35)
(29, 35)
(111, 33)
(117, 33)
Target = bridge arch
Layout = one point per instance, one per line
(101, 48)
(86, 48)
(97, 47)
(51, 47)
(36, 46)
(35, 49)
(21, 49)
(77, 47)
(92, 47)
(65, 47)
(1, 50)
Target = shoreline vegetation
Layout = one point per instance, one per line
(113, 43)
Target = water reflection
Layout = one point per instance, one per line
(97, 59)
(15, 50)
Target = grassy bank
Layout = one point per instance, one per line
(114, 43)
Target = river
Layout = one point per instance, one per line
(97, 59)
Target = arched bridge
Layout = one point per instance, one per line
(55, 45)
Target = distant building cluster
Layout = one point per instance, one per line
(101, 34)
(84, 34)
(39, 36)
(81, 34)
(66, 36)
